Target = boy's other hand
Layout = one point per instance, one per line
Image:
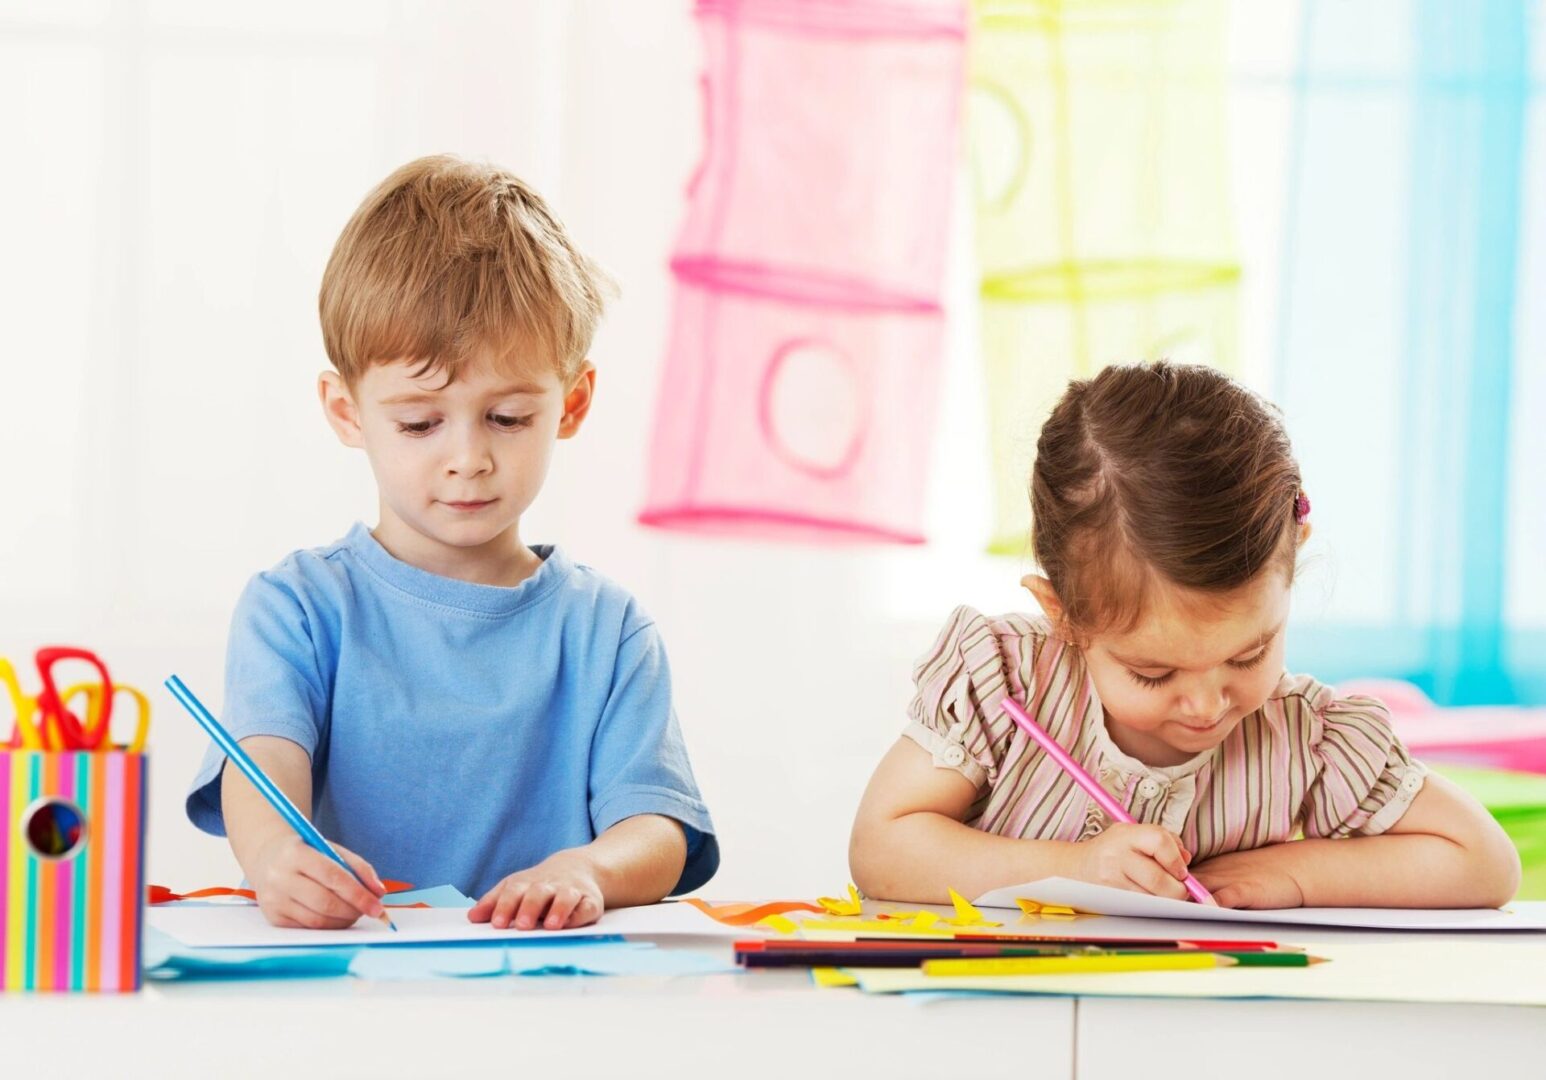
(1143, 858)
(559, 892)
(298, 886)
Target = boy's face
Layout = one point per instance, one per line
(456, 465)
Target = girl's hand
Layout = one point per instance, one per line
(559, 892)
(1250, 879)
(298, 886)
(1143, 858)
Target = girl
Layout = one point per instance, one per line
(1167, 515)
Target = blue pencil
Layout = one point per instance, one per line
(266, 787)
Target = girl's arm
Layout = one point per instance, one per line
(1446, 851)
(909, 842)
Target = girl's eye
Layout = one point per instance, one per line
(1247, 665)
(509, 422)
(1149, 680)
(416, 427)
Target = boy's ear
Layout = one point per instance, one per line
(577, 401)
(339, 409)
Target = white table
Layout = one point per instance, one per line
(757, 1024)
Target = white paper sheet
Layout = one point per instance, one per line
(1103, 900)
(230, 926)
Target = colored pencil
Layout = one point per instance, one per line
(1102, 797)
(1217, 945)
(808, 946)
(1079, 965)
(266, 787)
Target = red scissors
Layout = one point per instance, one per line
(47, 723)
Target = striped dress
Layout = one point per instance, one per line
(1306, 763)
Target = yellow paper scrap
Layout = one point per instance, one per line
(782, 923)
(966, 914)
(830, 978)
(834, 906)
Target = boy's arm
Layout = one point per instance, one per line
(1445, 851)
(636, 861)
(295, 885)
(910, 843)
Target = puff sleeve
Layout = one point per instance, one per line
(1362, 777)
(954, 714)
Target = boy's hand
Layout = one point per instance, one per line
(1250, 879)
(299, 886)
(1143, 858)
(559, 892)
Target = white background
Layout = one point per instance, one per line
(172, 178)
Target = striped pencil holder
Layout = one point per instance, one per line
(72, 869)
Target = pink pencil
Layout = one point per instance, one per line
(1085, 780)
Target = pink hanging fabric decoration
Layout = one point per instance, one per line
(798, 393)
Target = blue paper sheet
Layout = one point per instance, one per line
(166, 958)
(439, 896)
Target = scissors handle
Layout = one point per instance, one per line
(71, 733)
(25, 735)
(94, 698)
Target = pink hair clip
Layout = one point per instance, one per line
(1301, 508)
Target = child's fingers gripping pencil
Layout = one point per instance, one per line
(1113, 808)
(266, 787)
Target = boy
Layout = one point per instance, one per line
(446, 702)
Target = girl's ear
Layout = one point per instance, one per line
(1047, 597)
(1304, 533)
(1041, 589)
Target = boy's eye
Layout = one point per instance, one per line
(1150, 681)
(509, 421)
(416, 427)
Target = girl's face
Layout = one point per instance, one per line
(1180, 681)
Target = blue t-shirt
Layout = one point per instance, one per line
(458, 732)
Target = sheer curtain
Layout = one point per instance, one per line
(1410, 355)
(1387, 160)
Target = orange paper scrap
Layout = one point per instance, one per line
(743, 914)
(160, 894)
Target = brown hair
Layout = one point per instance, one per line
(1159, 471)
(448, 258)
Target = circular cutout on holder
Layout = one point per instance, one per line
(54, 828)
(813, 408)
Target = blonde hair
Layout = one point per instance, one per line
(447, 259)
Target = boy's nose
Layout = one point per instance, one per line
(469, 455)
